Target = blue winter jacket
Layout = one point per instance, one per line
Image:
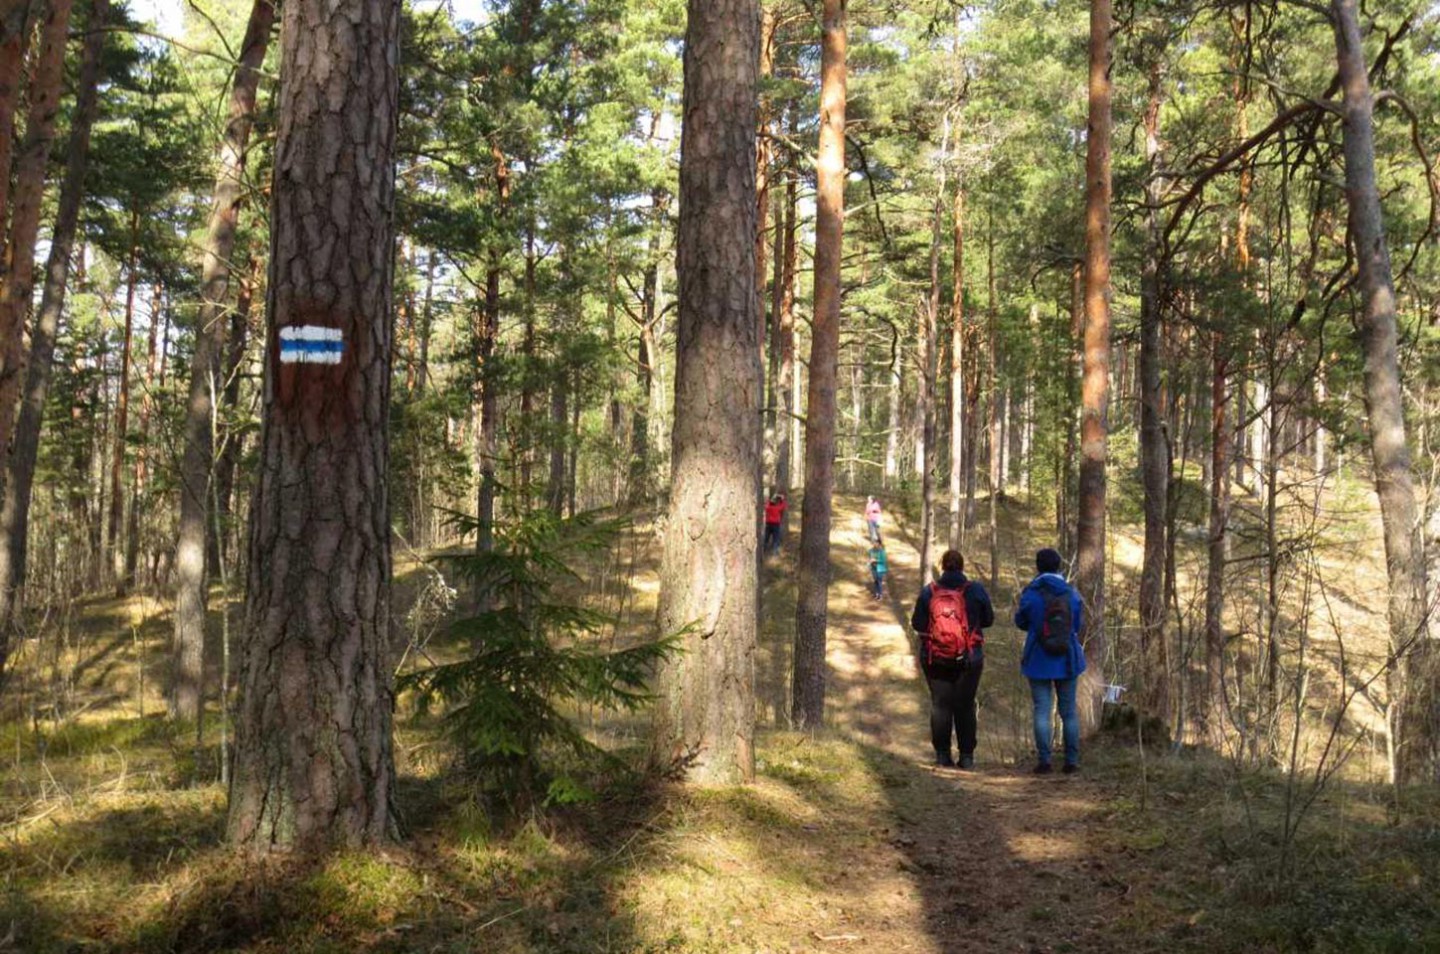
(1035, 662)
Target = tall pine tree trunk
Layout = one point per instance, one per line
(1416, 727)
(1095, 383)
(929, 354)
(13, 31)
(705, 714)
(24, 452)
(785, 344)
(1154, 446)
(120, 438)
(17, 268)
(812, 592)
(314, 764)
(188, 642)
(1210, 703)
(957, 372)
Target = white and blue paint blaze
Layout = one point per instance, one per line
(311, 344)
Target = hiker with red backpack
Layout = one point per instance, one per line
(950, 616)
(1053, 658)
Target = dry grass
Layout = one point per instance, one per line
(848, 841)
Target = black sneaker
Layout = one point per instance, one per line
(944, 762)
(1043, 768)
(1070, 768)
(967, 762)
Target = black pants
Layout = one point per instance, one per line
(952, 706)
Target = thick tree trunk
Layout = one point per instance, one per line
(188, 642)
(17, 268)
(21, 461)
(812, 592)
(1417, 727)
(957, 371)
(1154, 445)
(13, 31)
(313, 761)
(1095, 384)
(705, 714)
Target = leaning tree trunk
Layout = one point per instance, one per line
(705, 714)
(812, 589)
(1417, 728)
(314, 764)
(1095, 383)
(17, 269)
(188, 643)
(20, 465)
(1154, 448)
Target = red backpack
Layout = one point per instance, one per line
(951, 636)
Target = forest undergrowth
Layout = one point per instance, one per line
(848, 840)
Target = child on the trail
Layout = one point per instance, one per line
(872, 519)
(879, 566)
(774, 513)
(1053, 658)
(949, 618)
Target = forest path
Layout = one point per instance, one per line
(997, 859)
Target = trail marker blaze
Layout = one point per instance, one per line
(311, 344)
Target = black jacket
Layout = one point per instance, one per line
(977, 603)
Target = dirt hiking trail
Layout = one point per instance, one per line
(995, 859)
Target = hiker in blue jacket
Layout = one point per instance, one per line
(1052, 660)
(952, 677)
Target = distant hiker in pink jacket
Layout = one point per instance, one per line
(872, 519)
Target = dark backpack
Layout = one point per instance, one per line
(1057, 625)
(951, 636)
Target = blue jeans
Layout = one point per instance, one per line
(1044, 698)
(878, 579)
(772, 538)
(874, 528)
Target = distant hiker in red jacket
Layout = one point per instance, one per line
(872, 519)
(949, 618)
(774, 514)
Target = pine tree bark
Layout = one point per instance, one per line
(24, 452)
(314, 765)
(1416, 728)
(812, 593)
(1154, 444)
(17, 268)
(188, 643)
(1095, 384)
(13, 31)
(705, 713)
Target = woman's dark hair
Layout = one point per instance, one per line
(951, 560)
(1047, 561)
